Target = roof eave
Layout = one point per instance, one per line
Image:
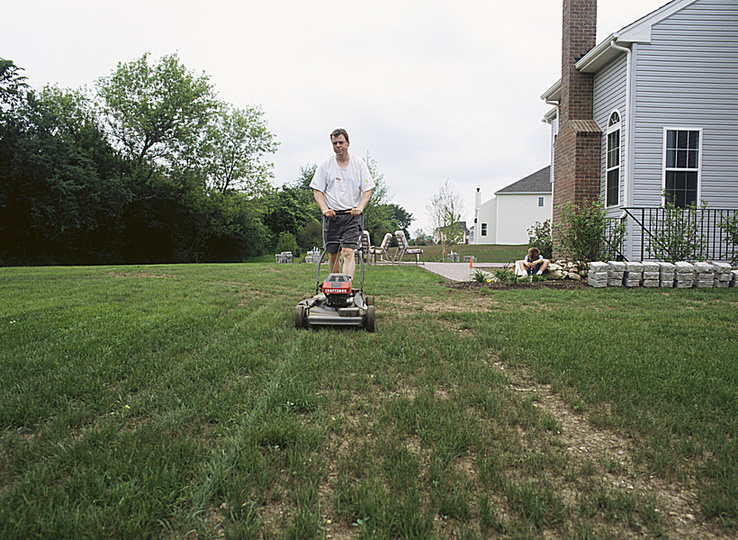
(553, 93)
(523, 192)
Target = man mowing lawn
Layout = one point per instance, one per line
(342, 187)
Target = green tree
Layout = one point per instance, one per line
(381, 216)
(157, 112)
(12, 85)
(235, 143)
(61, 189)
(306, 176)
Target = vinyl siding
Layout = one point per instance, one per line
(687, 77)
(609, 95)
(487, 214)
(518, 213)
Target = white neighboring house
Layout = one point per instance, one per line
(506, 217)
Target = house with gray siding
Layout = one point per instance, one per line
(664, 93)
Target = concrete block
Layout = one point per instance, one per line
(703, 268)
(598, 267)
(722, 268)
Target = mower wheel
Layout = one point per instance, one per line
(369, 300)
(369, 319)
(300, 317)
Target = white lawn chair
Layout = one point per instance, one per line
(383, 250)
(366, 245)
(405, 249)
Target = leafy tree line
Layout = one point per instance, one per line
(151, 167)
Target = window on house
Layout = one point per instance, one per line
(612, 187)
(484, 229)
(540, 201)
(681, 178)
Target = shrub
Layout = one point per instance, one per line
(586, 233)
(287, 242)
(506, 275)
(730, 226)
(539, 236)
(677, 235)
(581, 230)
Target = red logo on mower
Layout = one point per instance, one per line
(336, 288)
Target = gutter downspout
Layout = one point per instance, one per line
(629, 115)
(629, 121)
(556, 104)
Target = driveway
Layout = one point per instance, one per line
(460, 271)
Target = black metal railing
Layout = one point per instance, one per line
(680, 233)
(612, 247)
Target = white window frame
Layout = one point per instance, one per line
(483, 231)
(667, 129)
(541, 202)
(611, 128)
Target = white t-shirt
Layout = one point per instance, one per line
(342, 188)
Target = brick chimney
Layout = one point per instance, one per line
(577, 147)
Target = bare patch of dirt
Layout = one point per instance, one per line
(608, 454)
(138, 275)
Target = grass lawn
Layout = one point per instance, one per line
(179, 401)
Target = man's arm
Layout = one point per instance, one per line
(362, 203)
(320, 199)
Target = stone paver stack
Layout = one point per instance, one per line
(684, 275)
(704, 275)
(284, 257)
(722, 274)
(667, 272)
(633, 274)
(597, 275)
(313, 256)
(651, 274)
(615, 273)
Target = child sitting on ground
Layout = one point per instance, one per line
(534, 263)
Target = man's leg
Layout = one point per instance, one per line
(349, 262)
(334, 263)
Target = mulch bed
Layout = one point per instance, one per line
(565, 284)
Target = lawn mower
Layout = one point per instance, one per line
(336, 303)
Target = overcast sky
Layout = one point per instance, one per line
(432, 89)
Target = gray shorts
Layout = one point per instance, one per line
(342, 231)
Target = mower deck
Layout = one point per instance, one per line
(336, 303)
(316, 311)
